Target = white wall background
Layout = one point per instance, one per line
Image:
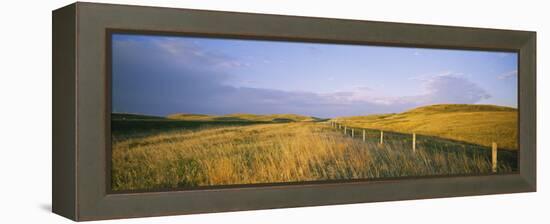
(25, 96)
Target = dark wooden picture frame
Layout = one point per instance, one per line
(81, 121)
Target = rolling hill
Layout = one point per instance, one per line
(130, 116)
(282, 118)
(479, 124)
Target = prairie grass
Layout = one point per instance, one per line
(479, 124)
(243, 117)
(273, 153)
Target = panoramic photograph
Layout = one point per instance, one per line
(190, 112)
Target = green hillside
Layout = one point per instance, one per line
(243, 117)
(129, 116)
(479, 124)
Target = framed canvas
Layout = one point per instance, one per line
(160, 111)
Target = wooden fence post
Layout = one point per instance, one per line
(363, 135)
(345, 130)
(352, 133)
(381, 137)
(414, 142)
(494, 155)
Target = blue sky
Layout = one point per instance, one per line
(162, 75)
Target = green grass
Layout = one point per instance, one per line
(244, 117)
(479, 124)
(134, 125)
(125, 125)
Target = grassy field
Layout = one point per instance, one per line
(134, 125)
(276, 118)
(479, 124)
(277, 152)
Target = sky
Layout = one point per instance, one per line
(162, 75)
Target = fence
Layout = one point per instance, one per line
(350, 131)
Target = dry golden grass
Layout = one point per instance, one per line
(479, 124)
(271, 153)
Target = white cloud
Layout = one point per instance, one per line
(174, 77)
(363, 88)
(427, 77)
(508, 75)
(437, 89)
(190, 53)
(449, 88)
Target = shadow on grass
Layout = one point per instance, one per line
(430, 143)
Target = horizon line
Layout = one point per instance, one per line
(209, 114)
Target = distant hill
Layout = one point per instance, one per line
(129, 116)
(480, 124)
(447, 108)
(243, 117)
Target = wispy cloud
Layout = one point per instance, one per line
(191, 53)
(508, 75)
(174, 76)
(427, 77)
(449, 88)
(442, 88)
